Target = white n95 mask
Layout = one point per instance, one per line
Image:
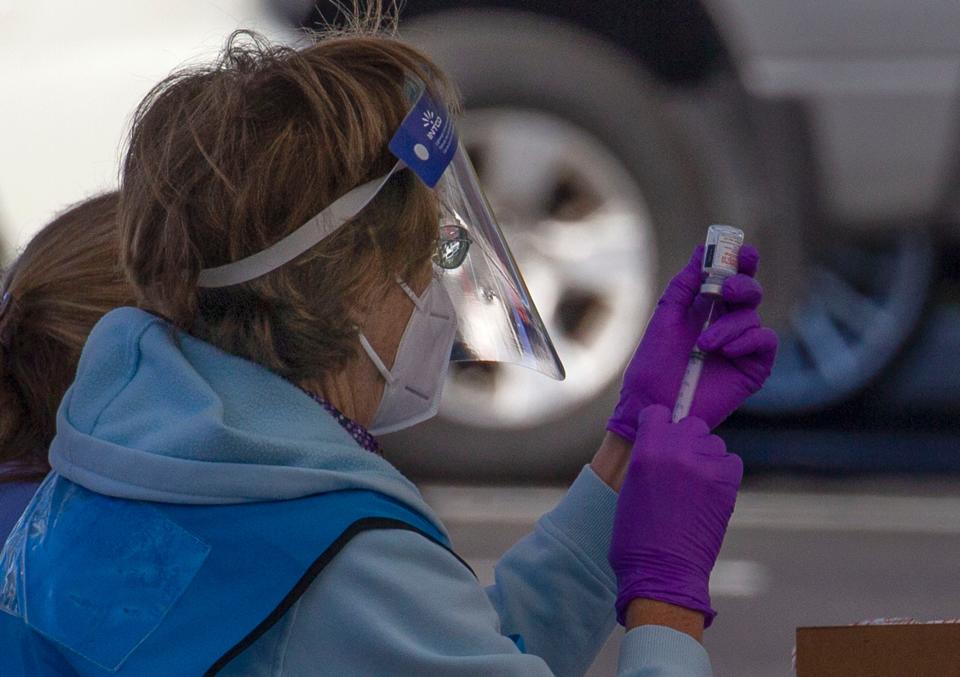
(414, 385)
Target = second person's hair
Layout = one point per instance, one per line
(65, 280)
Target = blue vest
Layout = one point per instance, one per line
(105, 586)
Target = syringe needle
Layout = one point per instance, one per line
(691, 377)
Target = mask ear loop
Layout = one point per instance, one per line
(417, 301)
(371, 353)
(377, 362)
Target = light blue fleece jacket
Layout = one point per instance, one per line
(163, 417)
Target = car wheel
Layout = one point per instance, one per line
(862, 298)
(589, 182)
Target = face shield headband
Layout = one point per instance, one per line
(497, 319)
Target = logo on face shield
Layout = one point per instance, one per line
(421, 152)
(433, 122)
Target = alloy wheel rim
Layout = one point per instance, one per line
(583, 238)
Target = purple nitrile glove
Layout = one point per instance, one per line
(672, 513)
(740, 351)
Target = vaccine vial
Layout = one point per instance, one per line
(720, 257)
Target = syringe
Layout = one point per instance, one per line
(719, 262)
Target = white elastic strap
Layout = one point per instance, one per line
(377, 362)
(417, 301)
(303, 238)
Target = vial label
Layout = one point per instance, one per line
(708, 256)
(722, 249)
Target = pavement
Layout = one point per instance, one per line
(798, 553)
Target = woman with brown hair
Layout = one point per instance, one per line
(65, 280)
(310, 249)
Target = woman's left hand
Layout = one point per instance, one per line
(672, 513)
(740, 351)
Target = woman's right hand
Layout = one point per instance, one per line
(672, 513)
(740, 350)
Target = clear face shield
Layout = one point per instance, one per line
(497, 319)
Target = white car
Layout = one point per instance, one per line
(609, 133)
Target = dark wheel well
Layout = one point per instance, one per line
(677, 40)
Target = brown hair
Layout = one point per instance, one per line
(225, 160)
(65, 280)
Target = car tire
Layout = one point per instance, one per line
(511, 60)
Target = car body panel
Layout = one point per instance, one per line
(879, 80)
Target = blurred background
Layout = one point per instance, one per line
(608, 134)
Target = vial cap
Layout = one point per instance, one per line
(712, 287)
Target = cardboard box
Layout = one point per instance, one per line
(914, 650)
